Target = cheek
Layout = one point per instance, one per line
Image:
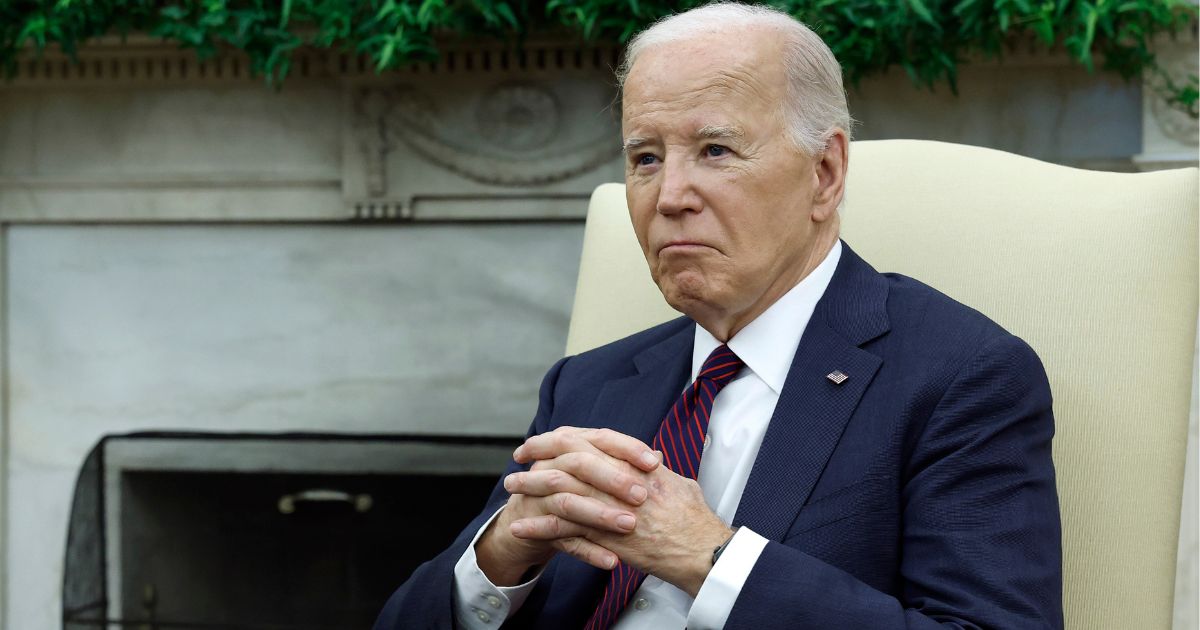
(641, 213)
(641, 228)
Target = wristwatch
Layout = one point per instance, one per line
(717, 552)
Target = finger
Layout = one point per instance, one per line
(571, 439)
(552, 444)
(545, 482)
(623, 447)
(546, 527)
(599, 471)
(589, 512)
(587, 551)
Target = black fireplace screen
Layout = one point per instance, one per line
(158, 542)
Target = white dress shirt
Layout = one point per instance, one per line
(739, 419)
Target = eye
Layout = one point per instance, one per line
(645, 159)
(716, 150)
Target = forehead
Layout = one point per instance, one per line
(731, 72)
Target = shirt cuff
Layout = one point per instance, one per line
(479, 604)
(724, 583)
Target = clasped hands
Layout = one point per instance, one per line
(600, 495)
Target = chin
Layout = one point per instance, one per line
(686, 292)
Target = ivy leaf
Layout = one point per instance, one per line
(922, 11)
(386, 54)
(427, 12)
(173, 12)
(34, 29)
(1044, 29)
(1084, 42)
(506, 12)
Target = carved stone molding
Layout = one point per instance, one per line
(140, 60)
(1173, 122)
(142, 131)
(452, 139)
(515, 131)
(1170, 137)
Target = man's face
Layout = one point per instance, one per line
(721, 200)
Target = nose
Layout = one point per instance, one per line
(677, 190)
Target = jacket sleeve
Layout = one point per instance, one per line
(426, 600)
(980, 540)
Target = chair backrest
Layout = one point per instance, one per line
(1096, 270)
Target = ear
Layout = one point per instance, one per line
(830, 169)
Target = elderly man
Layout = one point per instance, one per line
(815, 445)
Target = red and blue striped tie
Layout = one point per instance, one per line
(681, 440)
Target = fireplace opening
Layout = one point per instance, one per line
(257, 532)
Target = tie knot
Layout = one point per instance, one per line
(720, 366)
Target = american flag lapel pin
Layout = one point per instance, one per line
(837, 376)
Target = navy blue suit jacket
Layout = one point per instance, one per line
(917, 494)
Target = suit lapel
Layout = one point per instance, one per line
(635, 405)
(813, 411)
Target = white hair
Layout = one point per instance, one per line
(815, 102)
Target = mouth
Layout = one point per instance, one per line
(682, 247)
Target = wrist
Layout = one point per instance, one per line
(702, 562)
(504, 559)
(721, 549)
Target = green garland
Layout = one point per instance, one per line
(929, 39)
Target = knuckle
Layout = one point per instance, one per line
(571, 461)
(623, 481)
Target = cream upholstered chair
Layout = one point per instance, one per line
(1096, 270)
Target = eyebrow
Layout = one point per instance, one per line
(720, 131)
(707, 132)
(633, 143)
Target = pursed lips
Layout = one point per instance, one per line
(682, 246)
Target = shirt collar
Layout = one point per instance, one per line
(778, 328)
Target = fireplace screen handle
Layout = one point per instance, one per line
(287, 503)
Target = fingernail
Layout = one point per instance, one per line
(612, 563)
(517, 529)
(517, 454)
(649, 459)
(638, 493)
(508, 483)
(626, 522)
